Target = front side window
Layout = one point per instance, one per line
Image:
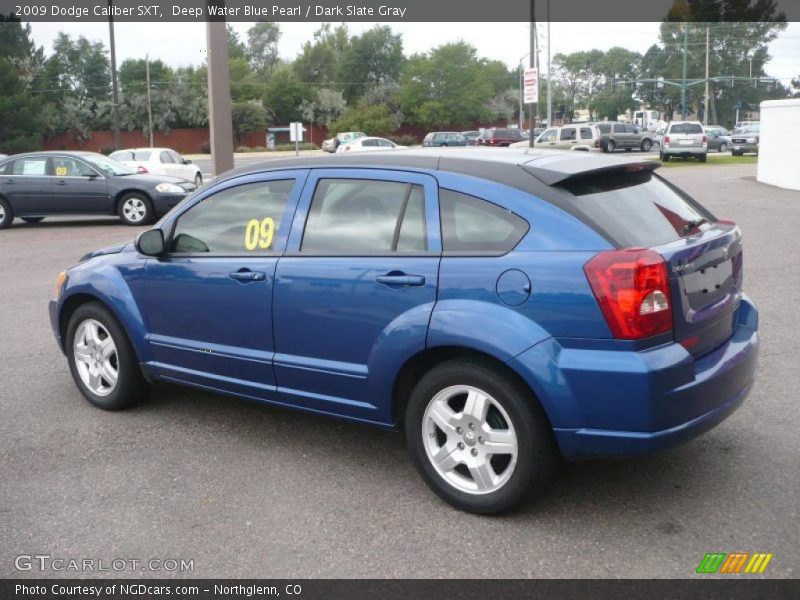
(240, 220)
(549, 135)
(470, 224)
(357, 216)
(604, 128)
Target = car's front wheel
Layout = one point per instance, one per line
(135, 209)
(101, 359)
(478, 437)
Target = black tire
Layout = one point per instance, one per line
(198, 180)
(628, 149)
(723, 147)
(144, 213)
(702, 157)
(646, 145)
(6, 214)
(665, 157)
(736, 152)
(33, 219)
(131, 387)
(536, 451)
(611, 146)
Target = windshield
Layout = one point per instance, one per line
(109, 166)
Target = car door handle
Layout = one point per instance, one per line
(397, 279)
(246, 275)
(61, 182)
(9, 182)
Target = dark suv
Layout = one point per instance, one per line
(498, 136)
(624, 135)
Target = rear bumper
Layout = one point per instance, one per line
(744, 147)
(628, 403)
(681, 151)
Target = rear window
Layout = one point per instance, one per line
(635, 209)
(686, 128)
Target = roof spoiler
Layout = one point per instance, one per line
(556, 172)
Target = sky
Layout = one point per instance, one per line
(183, 44)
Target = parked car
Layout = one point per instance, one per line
(501, 136)
(471, 137)
(444, 138)
(569, 137)
(366, 144)
(719, 138)
(39, 184)
(332, 145)
(686, 139)
(492, 307)
(745, 140)
(2, 156)
(623, 136)
(159, 161)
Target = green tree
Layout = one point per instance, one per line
(247, 117)
(285, 95)
(374, 57)
(262, 47)
(20, 108)
(445, 87)
(375, 119)
(133, 75)
(319, 61)
(326, 107)
(236, 47)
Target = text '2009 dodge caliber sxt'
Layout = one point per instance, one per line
(502, 309)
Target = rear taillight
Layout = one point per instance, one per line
(141, 169)
(597, 143)
(632, 289)
(666, 139)
(705, 140)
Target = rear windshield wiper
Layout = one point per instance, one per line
(694, 224)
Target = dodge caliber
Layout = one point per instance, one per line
(502, 309)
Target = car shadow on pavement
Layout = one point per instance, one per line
(61, 223)
(606, 486)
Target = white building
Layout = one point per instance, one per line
(779, 143)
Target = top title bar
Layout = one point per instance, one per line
(377, 10)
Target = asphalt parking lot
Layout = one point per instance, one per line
(246, 489)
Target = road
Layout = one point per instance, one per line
(245, 489)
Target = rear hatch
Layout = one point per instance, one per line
(634, 208)
(686, 135)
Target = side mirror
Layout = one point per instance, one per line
(151, 242)
(186, 161)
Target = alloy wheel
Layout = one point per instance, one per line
(134, 209)
(469, 439)
(96, 357)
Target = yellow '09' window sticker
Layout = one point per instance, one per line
(258, 234)
(61, 171)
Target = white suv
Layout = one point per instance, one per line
(686, 139)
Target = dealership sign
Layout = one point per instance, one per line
(530, 87)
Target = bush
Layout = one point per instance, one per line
(404, 140)
(205, 147)
(259, 149)
(243, 149)
(290, 146)
(108, 149)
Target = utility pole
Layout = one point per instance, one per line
(114, 90)
(149, 99)
(532, 61)
(549, 78)
(683, 78)
(219, 97)
(705, 102)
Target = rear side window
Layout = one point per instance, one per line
(357, 216)
(240, 220)
(635, 208)
(470, 224)
(28, 166)
(568, 133)
(586, 133)
(142, 155)
(686, 128)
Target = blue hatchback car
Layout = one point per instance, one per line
(501, 308)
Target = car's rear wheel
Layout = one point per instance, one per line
(478, 437)
(646, 145)
(198, 180)
(6, 214)
(665, 157)
(723, 147)
(135, 209)
(101, 359)
(33, 219)
(702, 157)
(611, 146)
